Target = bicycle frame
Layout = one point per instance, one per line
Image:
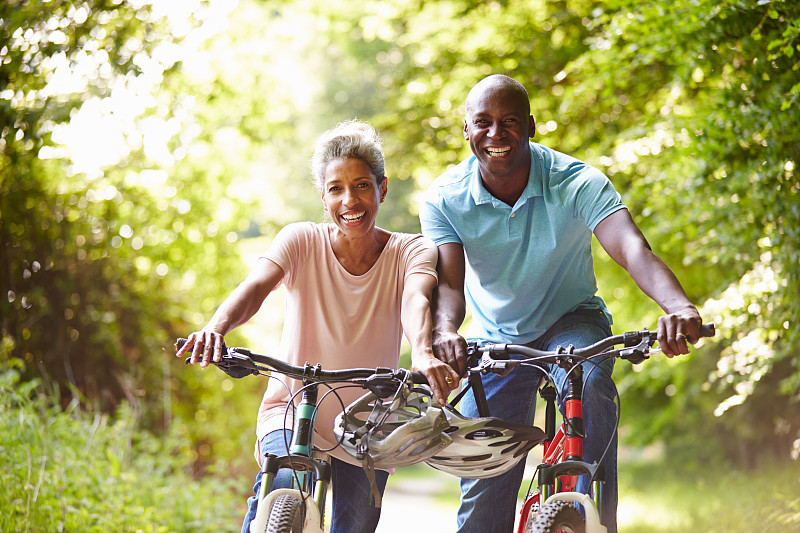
(563, 449)
(562, 459)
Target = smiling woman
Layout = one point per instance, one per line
(352, 289)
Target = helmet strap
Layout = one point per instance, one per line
(369, 469)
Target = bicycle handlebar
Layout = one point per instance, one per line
(636, 345)
(241, 362)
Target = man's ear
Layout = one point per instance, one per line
(466, 130)
(531, 126)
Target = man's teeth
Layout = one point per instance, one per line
(497, 151)
(350, 217)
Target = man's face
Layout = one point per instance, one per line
(498, 125)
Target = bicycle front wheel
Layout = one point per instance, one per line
(286, 516)
(556, 516)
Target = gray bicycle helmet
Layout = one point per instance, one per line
(484, 447)
(395, 432)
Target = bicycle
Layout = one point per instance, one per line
(302, 507)
(551, 506)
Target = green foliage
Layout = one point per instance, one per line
(666, 497)
(103, 267)
(707, 151)
(74, 470)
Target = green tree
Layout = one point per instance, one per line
(107, 258)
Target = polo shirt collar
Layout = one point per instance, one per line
(534, 187)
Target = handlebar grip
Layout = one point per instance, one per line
(419, 378)
(181, 341)
(708, 330)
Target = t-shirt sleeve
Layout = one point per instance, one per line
(434, 222)
(419, 255)
(288, 248)
(595, 197)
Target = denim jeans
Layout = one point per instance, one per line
(490, 504)
(352, 510)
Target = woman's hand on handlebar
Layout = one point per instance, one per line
(206, 345)
(677, 330)
(441, 377)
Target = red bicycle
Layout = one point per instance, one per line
(551, 506)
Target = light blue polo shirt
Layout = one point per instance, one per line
(526, 265)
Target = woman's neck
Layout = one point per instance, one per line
(358, 255)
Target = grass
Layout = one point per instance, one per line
(660, 498)
(69, 470)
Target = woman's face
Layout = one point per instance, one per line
(351, 195)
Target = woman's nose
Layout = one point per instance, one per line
(349, 196)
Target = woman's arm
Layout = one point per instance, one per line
(415, 317)
(624, 242)
(238, 308)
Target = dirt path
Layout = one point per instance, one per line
(411, 504)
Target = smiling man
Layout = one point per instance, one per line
(513, 225)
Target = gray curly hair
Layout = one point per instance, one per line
(352, 139)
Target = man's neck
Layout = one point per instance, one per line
(507, 189)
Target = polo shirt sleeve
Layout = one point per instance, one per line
(433, 220)
(595, 197)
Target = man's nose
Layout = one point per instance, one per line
(496, 130)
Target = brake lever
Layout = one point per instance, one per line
(637, 354)
(501, 367)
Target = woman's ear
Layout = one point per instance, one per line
(384, 189)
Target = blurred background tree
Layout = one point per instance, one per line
(143, 144)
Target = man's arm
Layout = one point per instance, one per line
(238, 308)
(449, 307)
(622, 239)
(415, 316)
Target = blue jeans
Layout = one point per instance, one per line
(352, 510)
(490, 504)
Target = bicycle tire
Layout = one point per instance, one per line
(286, 516)
(556, 516)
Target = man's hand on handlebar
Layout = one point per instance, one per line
(206, 345)
(677, 330)
(451, 348)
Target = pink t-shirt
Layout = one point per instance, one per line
(337, 319)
